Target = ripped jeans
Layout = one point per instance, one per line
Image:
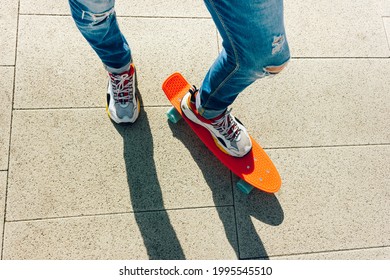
(254, 45)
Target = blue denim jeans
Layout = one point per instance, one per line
(96, 20)
(254, 45)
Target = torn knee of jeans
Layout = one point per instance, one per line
(273, 70)
(98, 18)
(278, 43)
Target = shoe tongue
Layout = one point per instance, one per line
(120, 81)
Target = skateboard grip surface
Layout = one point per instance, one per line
(175, 85)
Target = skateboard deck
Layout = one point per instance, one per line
(255, 169)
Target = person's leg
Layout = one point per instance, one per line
(96, 20)
(254, 46)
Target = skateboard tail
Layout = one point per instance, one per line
(257, 170)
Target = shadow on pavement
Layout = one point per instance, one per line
(158, 234)
(146, 198)
(264, 207)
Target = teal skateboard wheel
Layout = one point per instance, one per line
(173, 115)
(244, 186)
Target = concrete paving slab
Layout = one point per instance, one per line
(144, 8)
(386, 22)
(173, 46)
(156, 8)
(44, 7)
(386, 8)
(3, 186)
(76, 162)
(323, 28)
(346, 34)
(323, 102)
(207, 233)
(56, 67)
(6, 85)
(78, 78)
(8, 23)
(331, 199)
(362, 254)
(66, 164)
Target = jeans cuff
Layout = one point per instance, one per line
(118, 70)
(206, 113)
(209, 114)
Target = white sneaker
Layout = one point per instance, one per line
(123, 105)
(229, 134)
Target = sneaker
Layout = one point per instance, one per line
(228, 133)
(123, 105)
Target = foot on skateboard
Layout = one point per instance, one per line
(255, 169)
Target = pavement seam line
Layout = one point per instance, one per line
(326, 252)
(118, 213)
(10, 132)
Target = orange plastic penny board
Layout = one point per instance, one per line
(255, 168)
